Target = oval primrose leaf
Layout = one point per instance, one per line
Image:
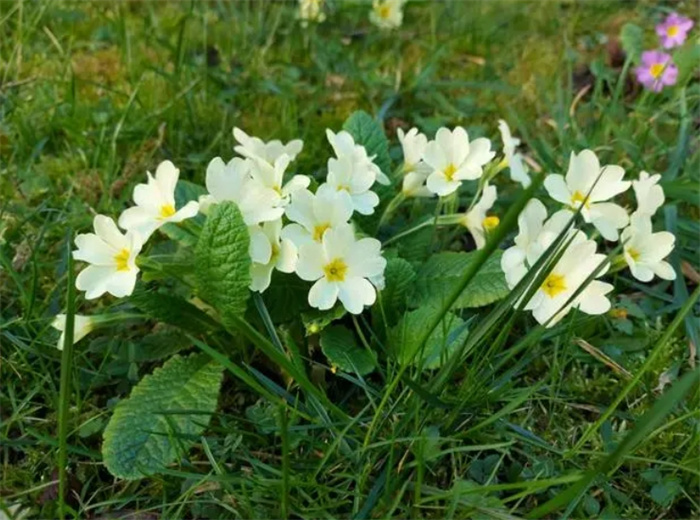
(222, 262)
(341, 349)
(163, 415)
(436, 279)
(445, 339)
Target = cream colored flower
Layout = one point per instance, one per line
(155, 203)
(644, 251)
(112, 259)
(271, 176)
(256, 148)
(650, 196)
(518, 169)
(311, 11)
(232, 181)
(387, 14)
(414, 169)
(345, 174)
(341, 268)
(344, 145)
(452, 159)
(576, 264)
(314, 214)
(476, 219)
(586, 176)
(82, 326)
(280, 254)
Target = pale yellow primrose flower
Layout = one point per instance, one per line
(282, 255)
(644, 251)
(155, 203)
(345, 174)
(83, 325)
(414, 169)
(650, 196)
(253, 147)
(271, 176)
(314, 214)
(344, 145)
(452, 159)
(518, 169)
(311, 11)
(112, 259)
(476, 219)
(233, 181)
(387, 14)
(341, 268)
(576, 264)
(585, 175)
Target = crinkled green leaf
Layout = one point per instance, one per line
(404, 339)
(163, 415)
(172, 310)
(287, 297)
(632, 40)
(437, 278)
(222, 262)
(341, 349)
(367, 131)
(399, 276)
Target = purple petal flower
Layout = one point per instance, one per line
(656, 71)
(674, 30)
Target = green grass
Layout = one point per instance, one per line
(92, 95)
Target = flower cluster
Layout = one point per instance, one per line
(385, 14)
(293, 229)
(587, 189)
(657, 69)
(318, 242)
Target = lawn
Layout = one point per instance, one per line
(441, 394)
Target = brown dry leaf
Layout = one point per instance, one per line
(335, 81)
(602, 357)
(665, 378)
(23, 253)
(692, 353)
(689, 272)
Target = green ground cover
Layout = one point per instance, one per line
(94, 94)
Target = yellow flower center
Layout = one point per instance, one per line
(121, 259)
(167, 210)
(634, 254)
(319, 230)
(672, 31)
(275, 252)
(490, 222)
(656, 69)
(554, 284)
(335, 270)
(277, 190)
(384, 11)
(578, 198)
(450, 171)
(343, 187)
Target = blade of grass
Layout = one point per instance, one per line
(66, 371)
(644, 427)
(656, 351)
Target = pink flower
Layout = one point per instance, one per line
(656, 71)
(673, 30)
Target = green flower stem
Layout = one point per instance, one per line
(65, 390)
(391, 207)
(442, 220)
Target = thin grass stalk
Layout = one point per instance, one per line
(66, 373)
(648, 363)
